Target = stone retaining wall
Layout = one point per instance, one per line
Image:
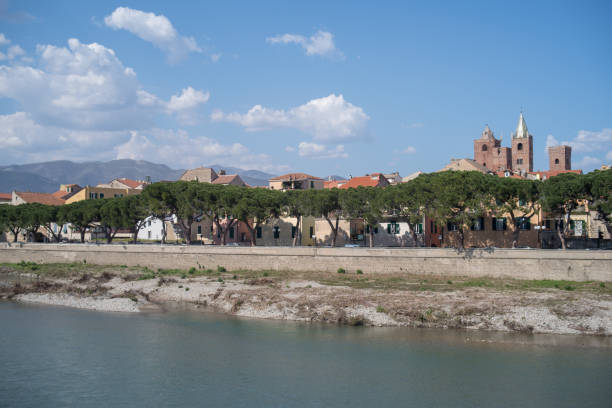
(576, 265)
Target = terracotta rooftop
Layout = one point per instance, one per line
(375, 180)
(512, 175)
(295, 176)
(552, 173)
(225, 179)
(41, 198)
(130, 183)
(6, 196)
(333, 183)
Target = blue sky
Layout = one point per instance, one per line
(320, 87)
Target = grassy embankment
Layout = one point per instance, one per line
(356, 279)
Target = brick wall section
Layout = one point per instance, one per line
(577, 265)
(559, 158)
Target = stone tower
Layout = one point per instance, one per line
(489, 153)
(559, 158)
(522, 147)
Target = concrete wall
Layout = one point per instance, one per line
(577, 265)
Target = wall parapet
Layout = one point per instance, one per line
(576, 265)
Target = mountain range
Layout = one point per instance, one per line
(46, 177)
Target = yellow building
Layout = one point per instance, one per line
(94, 193)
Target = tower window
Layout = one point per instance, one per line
(484, 148)
(519, 161)
(556, 161)
(519, 146)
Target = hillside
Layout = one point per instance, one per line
(46, 177)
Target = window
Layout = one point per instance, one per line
(519, 146)
(547, 225)
(93, 196)
(65, 229)
(452, 226)
(484, 164)
(199, 228)
(258, 232)
(101, 195)
(523, 223)
(311, 232)
(484, 148)
(418, 228)
(577, 227)
(477, 224)
(276, 232)
(311, 184)
(293, 231)
(393, 228)
(556, 161)
(519, 161)
(499, 224)
(231, 233)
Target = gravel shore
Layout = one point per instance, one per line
(289, 297)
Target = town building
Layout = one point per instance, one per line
(295, 181)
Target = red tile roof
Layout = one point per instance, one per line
(226, 179)
(366, 181)
(130, 183)
(333, 183)
(503, 174)
(6, 196)
(42, 198)
(295, 176)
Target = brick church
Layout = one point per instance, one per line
(518, 158)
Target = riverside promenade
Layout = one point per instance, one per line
(575, 265)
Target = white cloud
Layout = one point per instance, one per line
(180, 149)
(4, 40)
(318, 151)
(289, 149)
(588, 162)
(409, 150)
(609, 156)
(321, 43)
(85, 86)
(587, 141)
(23, 139)
(329, 119)
(185, 105)
(14, 51)
(156, 29)
(215, 57)
(551, 141)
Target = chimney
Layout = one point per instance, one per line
(222, 172)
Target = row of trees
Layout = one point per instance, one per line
(452, 197)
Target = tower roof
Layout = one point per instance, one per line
(521, 128)
(487, 134)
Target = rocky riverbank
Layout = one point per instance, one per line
(355, 299)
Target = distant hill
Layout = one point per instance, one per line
(47, 176)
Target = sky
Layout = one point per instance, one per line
(326, 88)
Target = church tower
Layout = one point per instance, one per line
(522, 147)
(489, 153)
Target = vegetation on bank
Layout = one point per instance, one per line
(457, 198)
(353, 279)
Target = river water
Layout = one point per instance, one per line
(57, 357)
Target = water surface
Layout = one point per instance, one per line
(52, 356)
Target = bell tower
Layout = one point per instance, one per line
(522, 147)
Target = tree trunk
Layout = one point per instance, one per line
(515, 231)
(413, 234)
(15, 235)
(164, 232)
(82, 231)
(334, 230)
(252, 232)
(109, 234)
(297, 231)
(371, 236)
(560, 234)
(462, 236)
(186, 225)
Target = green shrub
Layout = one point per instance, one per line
(569, 287)
(234, 277)
(266, 274)
(220, 280)
(192, 270)
(186, 289)
(341, 270)
(380, 309)
(449, 282)
(359, 272)
(183, 276)
(221, 269)
(602, 285)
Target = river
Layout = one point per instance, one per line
(56, 357)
